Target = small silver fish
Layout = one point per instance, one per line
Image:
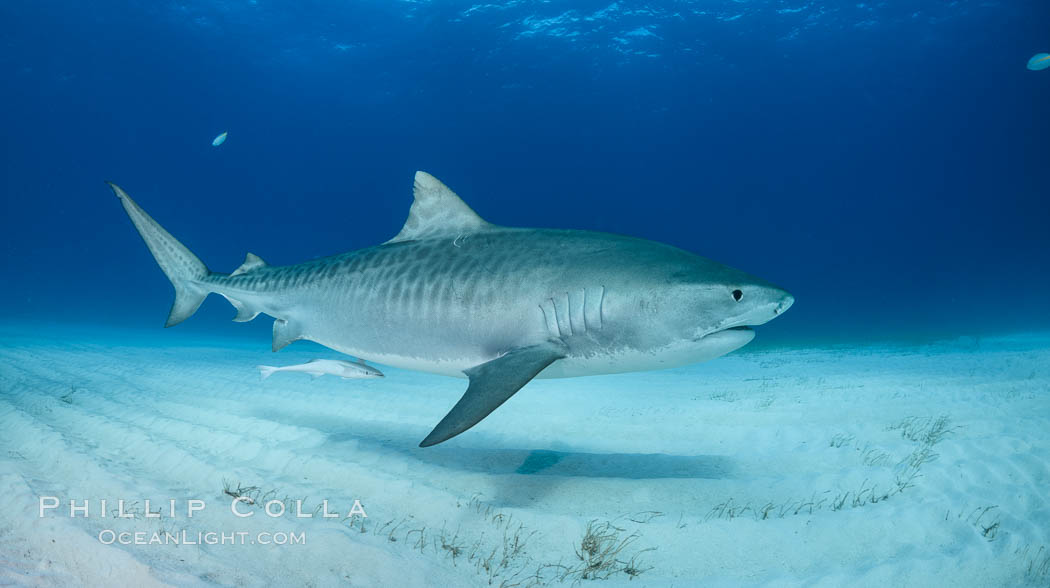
(318, 367)
(219, 140)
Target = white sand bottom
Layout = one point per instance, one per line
(853, 465)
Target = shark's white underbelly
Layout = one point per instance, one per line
(610, 362)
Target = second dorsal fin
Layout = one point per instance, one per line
(437, 212)
(251, 261)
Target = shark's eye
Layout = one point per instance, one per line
(737, 295)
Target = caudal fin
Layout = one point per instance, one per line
(266, 371)
(180, 265)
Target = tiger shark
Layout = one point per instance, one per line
(453, 294)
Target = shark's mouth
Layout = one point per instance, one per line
(740, 329)
(727, 332)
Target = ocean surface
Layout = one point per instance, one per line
(884, 162)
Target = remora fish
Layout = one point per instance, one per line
(453, 294)
(347, 370)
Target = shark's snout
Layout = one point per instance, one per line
(785, 303)
(759, 305)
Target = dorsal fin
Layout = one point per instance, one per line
(436, 212)
(251, 261)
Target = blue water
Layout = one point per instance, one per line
(885, 162)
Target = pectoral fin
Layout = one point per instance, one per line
(491, 384)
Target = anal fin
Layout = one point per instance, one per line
(491, 384)
(244, 312)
